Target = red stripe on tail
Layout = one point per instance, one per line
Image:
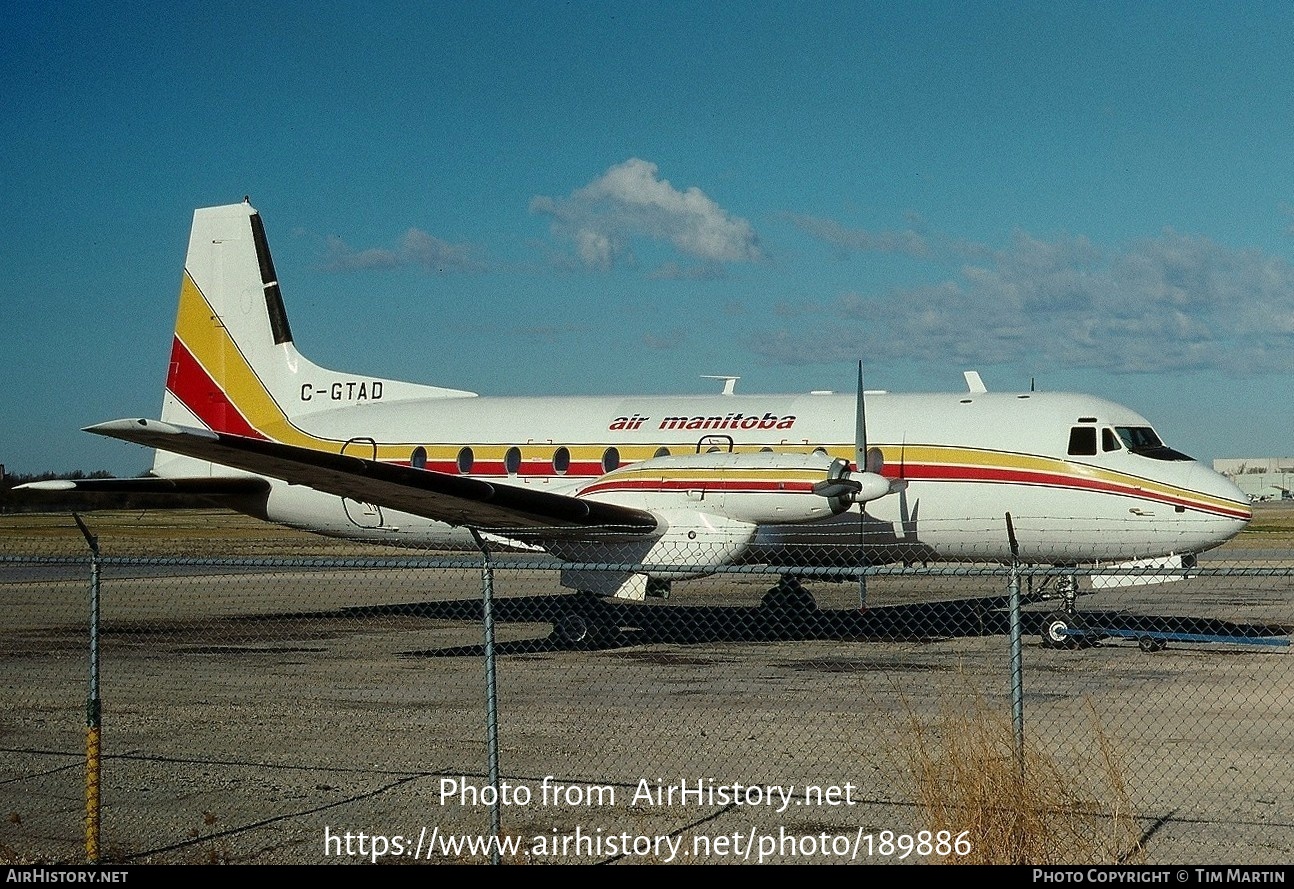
(189, 382)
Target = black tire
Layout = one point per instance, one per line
(573, 628)
(580, 629)
(1054, 628)
(1150, 644)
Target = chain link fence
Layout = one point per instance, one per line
(276, 697)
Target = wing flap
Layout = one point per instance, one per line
(456, 500)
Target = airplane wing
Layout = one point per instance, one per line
(455, 500)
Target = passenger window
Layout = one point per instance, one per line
(418, 460)
(1082, 441)
(465, 460)
(1109, 441)
(610, 459)
(661, 452)
(512, 461)
(561, 460)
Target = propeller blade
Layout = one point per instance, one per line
(875, 461)
(860, 424)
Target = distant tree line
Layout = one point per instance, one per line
(11, 480)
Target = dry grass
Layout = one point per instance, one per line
(967, 777)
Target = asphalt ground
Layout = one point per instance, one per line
(320, 714)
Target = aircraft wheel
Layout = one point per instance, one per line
(575, 629)
(572, 628)
(1054, 627)
(1150, 644)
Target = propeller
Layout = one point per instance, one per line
(866, 481)
(862, 485)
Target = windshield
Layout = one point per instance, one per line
(1142, 440)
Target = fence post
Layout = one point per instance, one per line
(1017, 660)
(491, 694)
(92, 707)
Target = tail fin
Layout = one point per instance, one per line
(234, 367)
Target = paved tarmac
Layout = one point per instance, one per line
(277, 716)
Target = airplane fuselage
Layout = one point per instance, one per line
(968, 459)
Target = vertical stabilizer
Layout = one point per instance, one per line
(234, 367)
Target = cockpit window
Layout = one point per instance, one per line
(1137, 437)
(1082, 441)
(1109, 441)
(1143, 441)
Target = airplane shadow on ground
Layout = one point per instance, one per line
(632, 625)
(627, 626)
(665, 623)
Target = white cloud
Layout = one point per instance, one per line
(432, 253)
(630, 201)
(596, 249)
(342, 258)
(1170, 303)
(416, 247)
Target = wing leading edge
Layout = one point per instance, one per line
(456, 500)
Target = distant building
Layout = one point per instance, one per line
(1262, 478)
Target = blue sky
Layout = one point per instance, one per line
(545, 198)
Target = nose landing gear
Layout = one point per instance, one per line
(1065, 628)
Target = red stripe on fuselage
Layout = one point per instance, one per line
(1055, 480)
(189, 382)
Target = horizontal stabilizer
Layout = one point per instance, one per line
(198, 486)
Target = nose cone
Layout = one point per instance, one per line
(1223, 509)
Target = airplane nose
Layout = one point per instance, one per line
(1227, 507)
(1227, 490)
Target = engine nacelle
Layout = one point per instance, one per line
(761, 488)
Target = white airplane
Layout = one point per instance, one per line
(645, 490)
